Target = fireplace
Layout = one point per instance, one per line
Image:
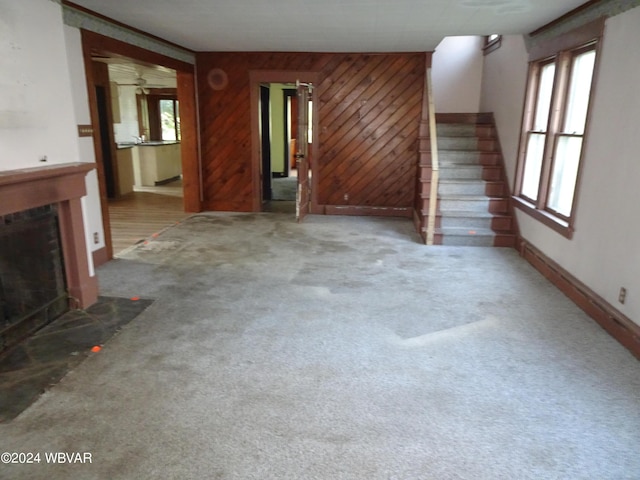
(44, 265)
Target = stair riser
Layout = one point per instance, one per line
(464, 205)
(502, 223)
(454, 157)
(466, 188)
(470, 172)
(468, 240)
(467, 143)
(463, 130)
(491, 205)
(469, 223)
(457, 143)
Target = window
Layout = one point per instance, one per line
(159, 115)
(555, 120)
(170, 119)
(491, 42)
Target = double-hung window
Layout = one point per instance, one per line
(553, 131)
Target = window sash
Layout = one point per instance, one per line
(533, 165)
(169, 119)
(564, 174)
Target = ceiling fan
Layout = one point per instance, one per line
(142, 85)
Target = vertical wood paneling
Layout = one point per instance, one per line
(368, 110)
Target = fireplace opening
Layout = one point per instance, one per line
(33, 291)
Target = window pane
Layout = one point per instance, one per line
(168, 120)
(543, 100)
(578, 95)
(533, 165)
(565, 172)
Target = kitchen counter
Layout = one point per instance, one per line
(147, 164)
(151, 143)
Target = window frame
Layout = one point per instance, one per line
(491, 44)
(562, 51)
(150, 115)
(176, 116)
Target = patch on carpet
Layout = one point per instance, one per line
(40, 361)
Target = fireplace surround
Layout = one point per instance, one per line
(58, 188)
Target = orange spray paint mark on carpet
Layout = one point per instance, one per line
(96, 349)
(135, 299)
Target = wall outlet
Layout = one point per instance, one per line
(96, 238)
(622, 296)
(346, 197)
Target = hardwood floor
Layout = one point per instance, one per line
(138, 215)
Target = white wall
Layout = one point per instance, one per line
(36, 117)
(504, 81)
(277, 126)
(605, 251)
(456, 72)
(43, 97)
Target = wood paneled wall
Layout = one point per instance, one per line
(369, 108)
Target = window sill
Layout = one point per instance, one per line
(560, 226)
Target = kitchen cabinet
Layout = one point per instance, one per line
(155, 163)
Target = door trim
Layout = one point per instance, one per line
(256, 77)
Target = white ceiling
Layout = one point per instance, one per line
(327, 25)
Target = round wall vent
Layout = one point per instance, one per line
(217, 79)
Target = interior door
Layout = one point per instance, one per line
(303, 193)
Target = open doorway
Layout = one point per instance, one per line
(149, 143)
(139, 125)
(279, 136)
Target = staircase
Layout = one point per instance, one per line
(473, 195)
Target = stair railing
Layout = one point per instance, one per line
(435, 174)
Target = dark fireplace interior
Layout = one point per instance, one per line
(32, 277)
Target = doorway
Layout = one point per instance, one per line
(147, 117)
(277, 125)
(274, 131)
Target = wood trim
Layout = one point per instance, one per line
(100, 257)
(482, 117)
(82, 288)
(153, 108)
(544, 217)
(189, 142)
(403, 212)
(38, 186)
(123, 25)
(515, 226)
(103, 45)
(492, 45)
(101, 79)
(619, 326)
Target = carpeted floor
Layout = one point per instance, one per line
(284, 189)
(339, 348)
